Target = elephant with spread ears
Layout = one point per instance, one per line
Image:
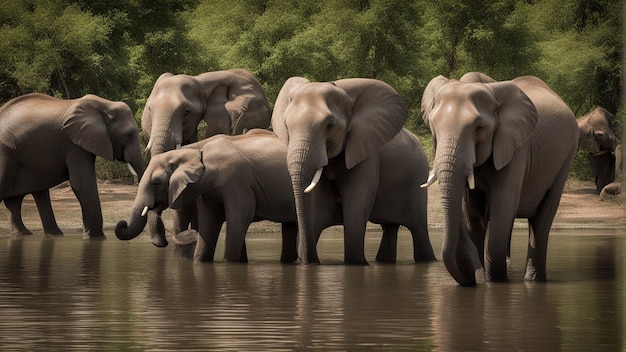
(229, 102)
(349, 133)
(45, 141)
(503, 150)
(600, 135)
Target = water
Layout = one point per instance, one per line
(69, 294)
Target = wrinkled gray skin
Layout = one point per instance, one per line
(600, 135)
(344, 128)
(230, 102)
(45, 141)
(235, 179)
(503, 150)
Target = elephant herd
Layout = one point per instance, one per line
(328, 153)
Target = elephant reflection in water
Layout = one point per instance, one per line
(45, 141)
(600, 135)
(238, 180)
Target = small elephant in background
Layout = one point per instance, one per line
(45, 141)
(229, 102)
(600, 135)
(350, 133)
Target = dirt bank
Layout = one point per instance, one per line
(580, 209)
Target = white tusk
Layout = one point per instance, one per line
(470, 181)
(431, 179)
(131, 169)
(178, 146)
(145, 211)
(149, 145)
(316, 179)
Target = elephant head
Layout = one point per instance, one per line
(166, 177)
(228, 101)
(320, 122)
(472, 123)
(599, 132)
(105, 128)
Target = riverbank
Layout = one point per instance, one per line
(580, 208)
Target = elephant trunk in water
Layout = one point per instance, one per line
(297, 155)
(453, 171)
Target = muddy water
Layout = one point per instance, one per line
(69, 294)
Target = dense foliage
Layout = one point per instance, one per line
(117, 48)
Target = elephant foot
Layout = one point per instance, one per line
(159, 241)
(21, 232)
(380, 258)
(98, 237)
(532, 274)
(611, 191)
(360, 262)
(53, 231)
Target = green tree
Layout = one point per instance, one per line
(49, 47)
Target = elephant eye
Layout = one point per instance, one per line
(330, 125)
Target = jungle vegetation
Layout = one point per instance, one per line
(117, 48)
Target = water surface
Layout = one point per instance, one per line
(69, 294)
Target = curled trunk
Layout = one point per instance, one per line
(127, 230)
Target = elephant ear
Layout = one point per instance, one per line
(378, 114)
(232, 98)
(280, 106)
(86, 121)
(187, 168)
(517, 119)
(428, 98)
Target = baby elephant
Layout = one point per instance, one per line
(240, 179)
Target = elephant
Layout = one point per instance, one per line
(600, 135)
(237, 179)
(503, 150)
(45, 141)
(350, 133)
(229, 101)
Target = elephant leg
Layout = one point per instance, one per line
(539, 229)
(14, 205)
(357, 207)
(235, 249)
(388, 248)
(209, 227)
(289, 252)
(44, 206)
(502, 216)
(422, 248)
(473, 211)
(185, 218)
(156, 228)
(83, 182)
(602, 168)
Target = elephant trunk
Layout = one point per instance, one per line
(453, 171)
(126, 231)
(166, 134)
(297, 154)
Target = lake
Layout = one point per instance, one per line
(69, 294)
